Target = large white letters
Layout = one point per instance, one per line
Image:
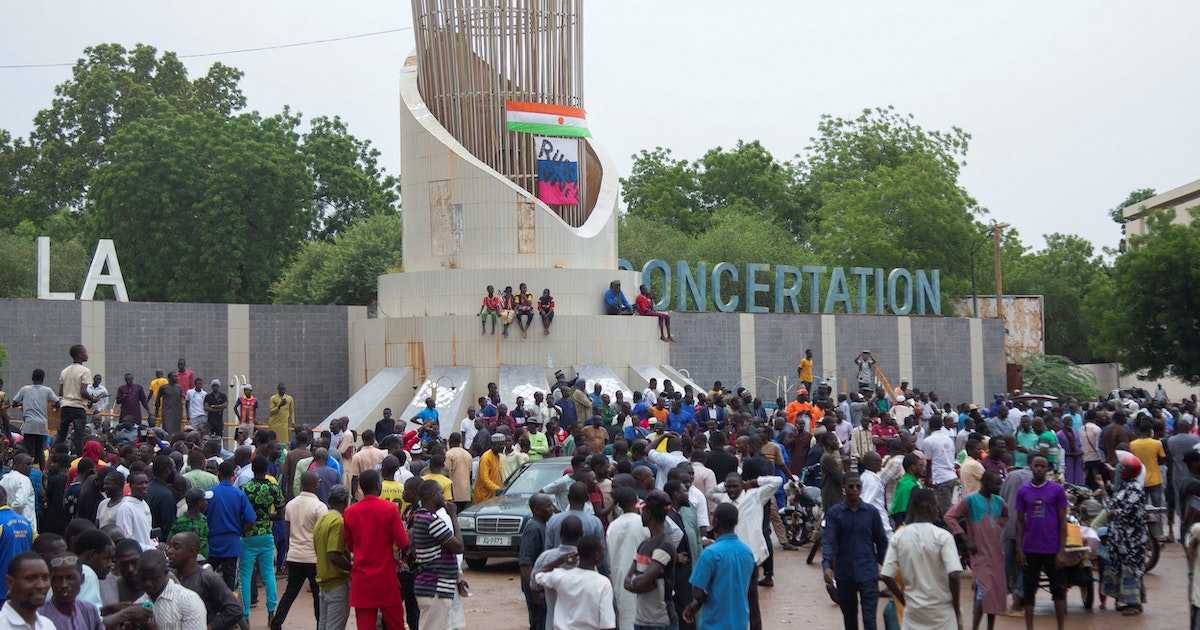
(106, 254)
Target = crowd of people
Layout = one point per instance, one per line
(668, 514)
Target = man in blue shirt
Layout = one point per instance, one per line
(615, 302)
(721, 578)
(16, 536)
(229, 513)
(854, 541)
(428, 413)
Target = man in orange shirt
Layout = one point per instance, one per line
(800, 407)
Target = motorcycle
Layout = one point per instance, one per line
(802, 515)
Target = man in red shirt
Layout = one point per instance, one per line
(185, 378)
(373, 528)
(645, 306)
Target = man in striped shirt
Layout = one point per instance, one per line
(435, 546)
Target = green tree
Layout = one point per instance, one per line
(1117, 213)
(203, 207)
(69, 261)
(665, 191)
(884, 193)
(1148, 319)
(1057, 376)
(343, 270)
(1065, 272)
(3, 357)
(349, 184)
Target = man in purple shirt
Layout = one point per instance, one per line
(1042, 537)
(130, 396)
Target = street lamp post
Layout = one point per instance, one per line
(974, 293)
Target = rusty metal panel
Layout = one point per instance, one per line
(445, 220)
(1024, 322)
(526, 228)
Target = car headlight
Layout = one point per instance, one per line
(466, 522)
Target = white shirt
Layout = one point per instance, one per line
(11, 620)
(664, 462)
(132, 515)
(750, 506)
(20, 496)
(873, 495)
(100, 392)
(584, 599)
(178, 608)
(939, 450)
(700, 504)
(195, 402)
(926, 555)
(650, 396)
(468, 430)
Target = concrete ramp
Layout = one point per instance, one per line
(680, 379)
(609, 383)
(451, 383)
(367, 404)
(523, 381)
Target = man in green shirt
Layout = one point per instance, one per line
(258, 545)
(1027, 440)
(1047, 441)
(904, 487)
(194, 520)
(333, 562)
(538, 445)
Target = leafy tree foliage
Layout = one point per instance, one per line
(876, 190)
(206, 203)
(1148, 319)
(69, 261)
(1057, 376)
(343, 270)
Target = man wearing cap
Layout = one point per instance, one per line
(615, 302)
(214, 404)
(538, 445)
(488, 479)
(282, 410)
(193, 520)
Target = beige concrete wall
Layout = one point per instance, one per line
(1108, 378)
(459, 213)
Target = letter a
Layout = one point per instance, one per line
(105, 253)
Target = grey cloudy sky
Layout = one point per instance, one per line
(1070, 104)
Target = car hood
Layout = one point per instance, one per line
(504, 504)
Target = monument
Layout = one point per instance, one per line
(503, 185)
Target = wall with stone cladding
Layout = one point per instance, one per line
(779, 343)
(708, 346)
(941, 349)
(37, 334)
(876, 333)
(305, 347)
(141, 337)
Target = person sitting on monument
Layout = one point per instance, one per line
(546, 310)
(615, 302)
(645, 307)
(507, 309)
(523, 303)
(489, 308)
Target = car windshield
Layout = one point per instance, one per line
(533, 478)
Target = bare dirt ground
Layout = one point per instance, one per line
(798, 599)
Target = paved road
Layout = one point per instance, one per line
(799, 599)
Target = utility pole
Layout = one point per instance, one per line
(996, 227)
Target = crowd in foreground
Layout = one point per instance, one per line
(669, 514)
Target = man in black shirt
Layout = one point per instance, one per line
(385, 426)
(718, 460)
(214, 404)
(223, 608)
(533, 543)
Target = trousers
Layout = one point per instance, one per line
(298, 573)
(258, 550)
(393, 617)
(335, 608)
(850, 595)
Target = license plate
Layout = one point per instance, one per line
(492, 541)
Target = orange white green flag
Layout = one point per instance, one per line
(545, 119)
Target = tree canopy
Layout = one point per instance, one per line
(343, 270)
(1148, 318)
(205, 201)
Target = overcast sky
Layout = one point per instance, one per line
(1071, 105)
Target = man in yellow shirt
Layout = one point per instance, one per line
(489, 478)
(283, 414)
(805, 369)
(159, 381)
(1150, 451)
(437, 472)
